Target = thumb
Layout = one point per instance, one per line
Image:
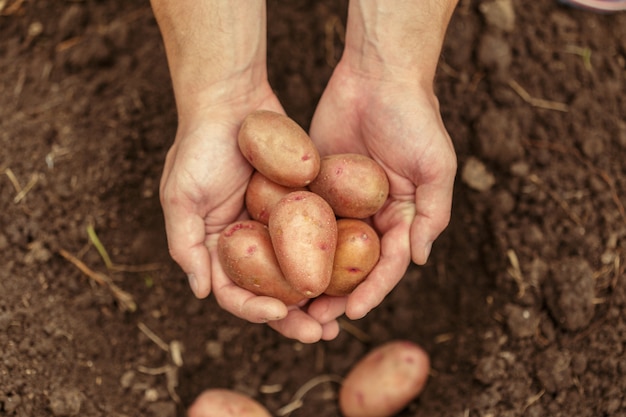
(433, 204)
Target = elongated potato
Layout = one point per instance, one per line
(246, 254)
(219, 402)
(262, 195)
(358, 251)
(279, 148)
(385, 380)
(303, 230)
(354, 185)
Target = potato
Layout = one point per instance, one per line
(247, 257)
(279, 148)
(353, 184)
(219, 402)
(263, 194)
(357, 252)
(384, 381)
(303, 230)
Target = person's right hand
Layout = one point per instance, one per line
(397, 123)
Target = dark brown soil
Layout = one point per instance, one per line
(522, 306)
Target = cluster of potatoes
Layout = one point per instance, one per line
(380, 385)
(307, 234)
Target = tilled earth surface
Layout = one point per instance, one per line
(521, 307)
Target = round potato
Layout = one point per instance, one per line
(245, 251)
(384, 381)
(354, 185)
(219, 402)
(279, 148)
(303, 230)
(358, 250)
(263, 194)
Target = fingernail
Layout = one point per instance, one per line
(427, 248)
(193, 283)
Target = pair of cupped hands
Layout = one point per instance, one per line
(395, 122)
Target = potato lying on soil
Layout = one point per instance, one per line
(279, 148)
(303, 230)
(262, 195)
(384, 381)
(358, 250)
(246, 254)
(354, 185)
(218, 402)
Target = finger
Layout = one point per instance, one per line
(251, 307)
(433, 200)
(186, 236)
(243, 303)
(300, 326)
(326, 309)
(330, 330)
(394, 259)
(433, 204)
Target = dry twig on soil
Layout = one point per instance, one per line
(11, 9)
(297, 399)
(21, 192)
(170, 370)
(124, 299)
(515, 271)
(537, 102)
(359, 334)
(583, 52)
(95, 240)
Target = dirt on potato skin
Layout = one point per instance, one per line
(521, 306)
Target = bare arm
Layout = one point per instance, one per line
(400, 38)
(216, 49)
(216, 53)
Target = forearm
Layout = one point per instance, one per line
(215, 48)
(400, 38)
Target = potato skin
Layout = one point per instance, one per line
(303, 230)
(219, 402)
(245, 251)
(262, 195)
(354, 185)
(385, 380)
(279, 148)
(357, 253)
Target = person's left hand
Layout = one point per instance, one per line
(202, 192)
(397, 123)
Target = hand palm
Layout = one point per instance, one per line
(398, 125)
(202, 191)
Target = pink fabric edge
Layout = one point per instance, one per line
(598, 5)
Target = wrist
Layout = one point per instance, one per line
(224, 104)
(222, 96)
(396, 40)
(216, 49)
